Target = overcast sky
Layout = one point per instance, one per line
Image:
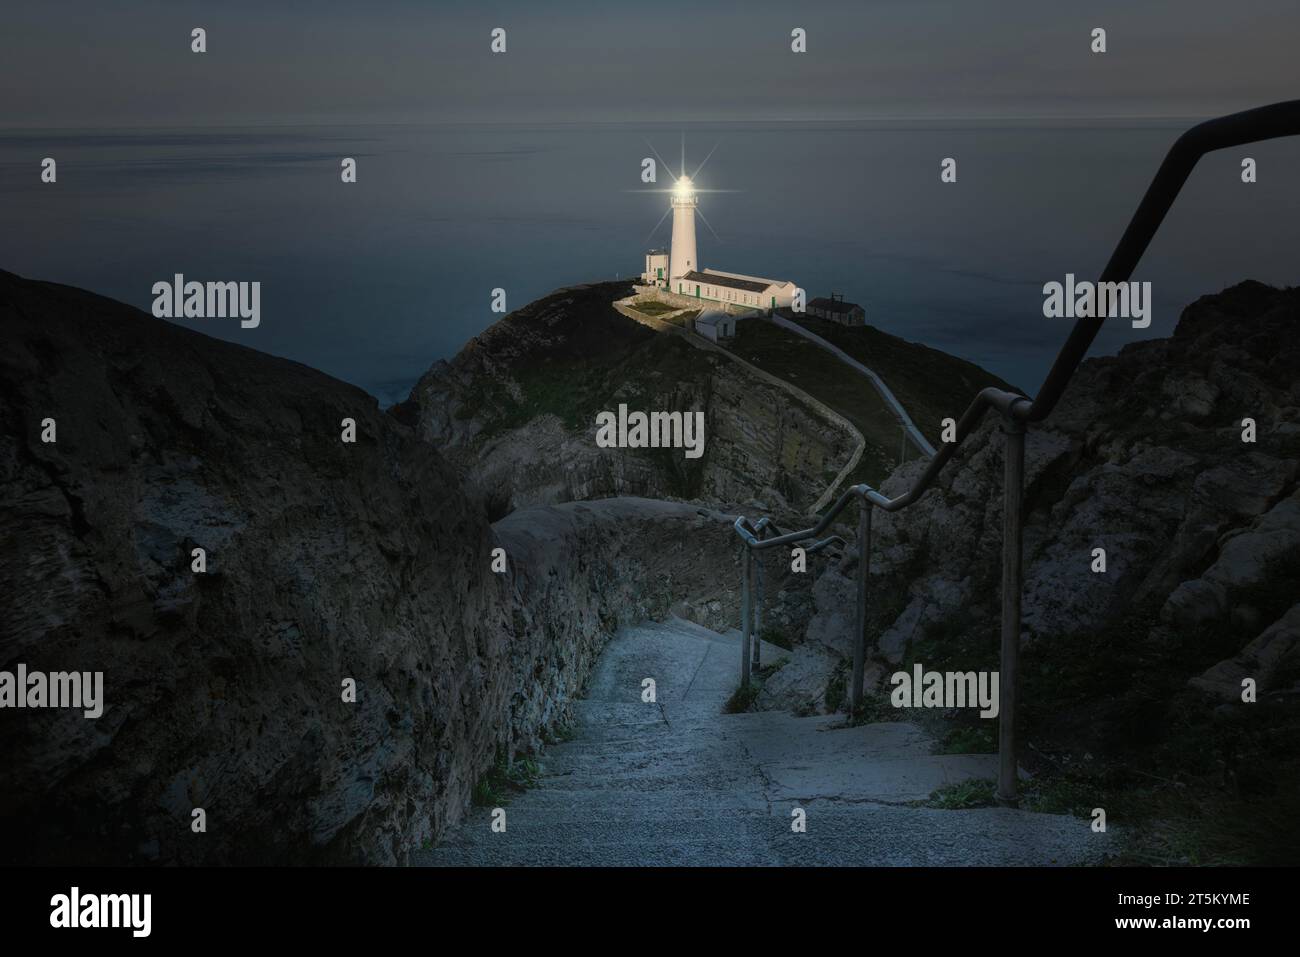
(96, 63)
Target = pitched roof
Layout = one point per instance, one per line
(714, 279)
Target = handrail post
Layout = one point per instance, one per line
(1012, 545)
(758, 614)
(746, 619)
(860, 619)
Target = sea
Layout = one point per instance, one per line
(374, 281)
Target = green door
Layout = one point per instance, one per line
(660, 272)
(697, 292)
(774, 302)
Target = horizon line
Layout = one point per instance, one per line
(672, 124)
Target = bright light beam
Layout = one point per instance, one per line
(650, 234)
(696, 174)
(695, 189)
(706, 223)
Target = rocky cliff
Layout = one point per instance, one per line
(1133, 673)
(1144, 457)
(326, 562)
(515, 410)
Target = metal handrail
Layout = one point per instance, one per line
(824, 543)
(1237, 129)
(747, 531)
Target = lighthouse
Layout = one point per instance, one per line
(682, 252)
(676, 272)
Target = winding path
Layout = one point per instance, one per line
(909, 426)
(679, 782)
(626, 308)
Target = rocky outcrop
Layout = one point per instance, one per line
(1263, 660)
(1144, 457)
(515, 410)
(326, 562)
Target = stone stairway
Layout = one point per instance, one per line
(678, 782)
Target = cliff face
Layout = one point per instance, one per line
(1143, 457)
(1131, 678)
(515, 410)
(326, 561)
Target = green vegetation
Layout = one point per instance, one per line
(806, 709)
(657, 309)
(837, 687)
(567, 355)
(654, 307)
(1192, 781)
(742, 699)
(1108, 720)
(488, 793)
(495, 787)
(932, 385)
(1187, 825)
(978, 739)
(978, 792)
(875, 708)
(960, 642)
(643, 368)
(1183, 821)
(811, 368)
(559, 355)
(558, 734)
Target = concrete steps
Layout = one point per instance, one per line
(677, 782)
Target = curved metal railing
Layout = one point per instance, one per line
(1237, 129)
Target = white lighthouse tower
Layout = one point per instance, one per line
(682, 252)
(677, 269)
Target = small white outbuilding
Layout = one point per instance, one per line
(714, 324)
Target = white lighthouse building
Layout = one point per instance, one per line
(683, 258)
(677, 270)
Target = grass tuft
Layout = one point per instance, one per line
(504, 779)
(978, 792)
(968, 740)
(742, 699)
